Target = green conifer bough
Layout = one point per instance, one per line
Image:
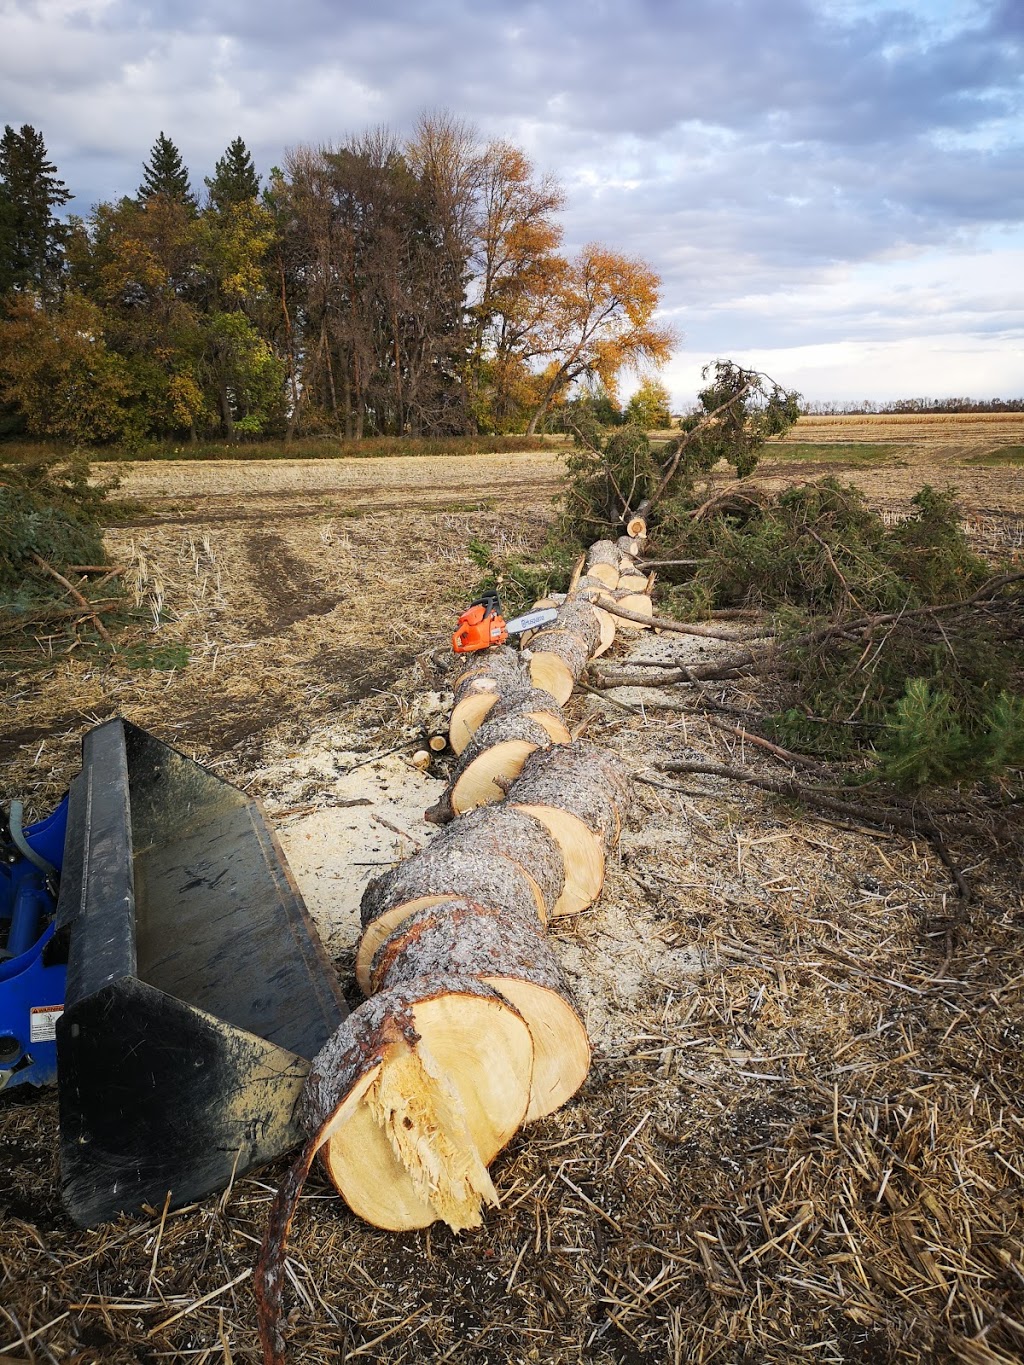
(234, 180)
(31, 238)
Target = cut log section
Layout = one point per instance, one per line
(407, 1105)
(500, 663)
(582, 856)
(476, 707)
(603, 562)
(538, 705)
(560, 652)
(443, 1066)
(632, 582)
(636, 527)
(582, 779)
(511, 955)
(496, 855)
(638, 603)
(415, 1095)
(488, 765)
(607, 627)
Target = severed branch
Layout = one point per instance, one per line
(665, 622)
(920, 825)
(668, 563)
(776, 750)
(984, 595)
(644, 509)
(93, 614)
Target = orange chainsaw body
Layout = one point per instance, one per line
(480, 626)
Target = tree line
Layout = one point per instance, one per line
(381, 286)
(913, 405)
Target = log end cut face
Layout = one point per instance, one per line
(561, 1046)
(488, 777)
(434, 1111)
(582, 855)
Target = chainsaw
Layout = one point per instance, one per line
(482, 624)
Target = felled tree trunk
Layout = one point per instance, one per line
(560, 652)
(603, 562)
(407, 1104)
(470, 1029)
(512, 697)
(581, 798)
(493, 673)
(498, 856)
(510, 954)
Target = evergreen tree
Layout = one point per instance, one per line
(31, 238)
(165, 174)
(234, 179)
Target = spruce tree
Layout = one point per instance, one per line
(166, 174)
(31, 238)
(234, 179)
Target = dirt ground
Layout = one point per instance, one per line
(802, 1137)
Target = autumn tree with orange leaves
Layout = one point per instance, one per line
(598, 321)
(381, 286)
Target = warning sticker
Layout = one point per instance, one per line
(43, 1023)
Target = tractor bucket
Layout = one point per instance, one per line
(197, 989)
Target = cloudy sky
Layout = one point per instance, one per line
(831, 190)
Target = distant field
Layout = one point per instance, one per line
(839, 452)
(305, 448)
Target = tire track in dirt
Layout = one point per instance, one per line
(284, 592)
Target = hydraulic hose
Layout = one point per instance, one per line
(16, 826)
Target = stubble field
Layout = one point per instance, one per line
(802, 1137)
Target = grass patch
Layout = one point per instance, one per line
(163, 656)
(308, 448)
(1011, 455)
(828, 452)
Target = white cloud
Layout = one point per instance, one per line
(924, 366)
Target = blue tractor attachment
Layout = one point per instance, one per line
(31, 980)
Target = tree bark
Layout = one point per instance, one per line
(603, 562)
(497, 856)
(587, 781)
(560, 652)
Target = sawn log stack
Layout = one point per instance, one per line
(469, 1029)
